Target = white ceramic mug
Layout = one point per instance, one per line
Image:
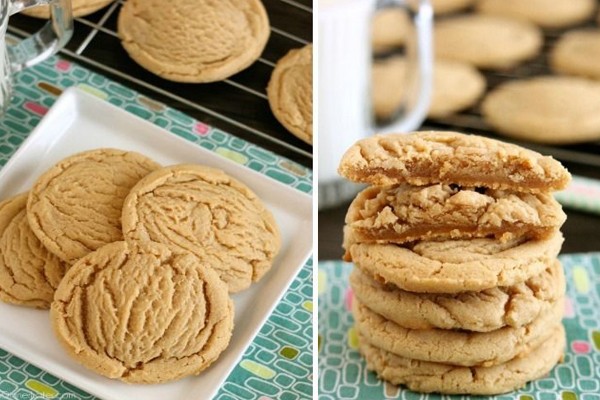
(38, 47)
(345, 113)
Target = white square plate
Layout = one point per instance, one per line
(80, 122)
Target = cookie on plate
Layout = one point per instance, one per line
(454, 266)
(545, 13)
(547, 109)
(80, 8)
(484, 311)
(423, 158)
(487, 41)
(29, 274)
(142, 317)
(578, 53)
(456, 86)
(74, 208)
(427, 377)
(194, 41)
(202, 210)
(290, 92)
(468, 349)
(404, 213)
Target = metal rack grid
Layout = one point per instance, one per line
(237, 105)
(580, 155)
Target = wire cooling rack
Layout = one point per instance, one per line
(237, 105)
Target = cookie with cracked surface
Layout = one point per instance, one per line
(456, 86)
(290, 92)
(202, 210)
(424, 158)
(74, 208)
(468, 349)
(429, 377)
(390, 28)
(547, 109)
(142, 317)
(29, 274)
(80, 8)
(454, 266)
(194, 41)
(487, 41)
(485, 311)
(577, 53)
(404, 213)
(545, 13)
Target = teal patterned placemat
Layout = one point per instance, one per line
(343, 374)
(278, 364)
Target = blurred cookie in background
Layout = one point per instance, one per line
(456, 86)
(578, 53)
(487, 42)
(548, 109)
(545, 13)
(390, 28)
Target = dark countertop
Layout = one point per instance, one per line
(237, 105)
(581, 231)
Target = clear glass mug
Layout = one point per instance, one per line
(345, 112)
(38, 47)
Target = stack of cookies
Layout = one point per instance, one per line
(135, 261)
(457, 286)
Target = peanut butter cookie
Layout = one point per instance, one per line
(29, 274)
(484, 311)
(469, 349)
(194, 41)
(399, 214)
(427, 377)
(75, 207)
(455, 266)
(142, 317)
(578, 53)
(547, 109)
(192, 208)
(423, 158)
(390, 28)
(290, 92)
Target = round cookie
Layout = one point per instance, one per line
(29, 274)
(290, 92)
(454, 266)
(191, 208)
(142, 317)
(549, 109)
(456, 86)
(424, 158)
(545, 13)
(485, 311)
(194, 41)
(390, 28)
(449, 6)
(80, 8)
(578, 53)
(469, 349)
(427, 377)
(74, 208)
(486, 41)
(404, 213)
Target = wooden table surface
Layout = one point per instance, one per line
(581, 231)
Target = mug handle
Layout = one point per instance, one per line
(48, 40)
(418, 95)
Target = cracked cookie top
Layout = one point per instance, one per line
(424, 158)
(142, 316)
(75, 207)
(29, 274)
(202, 210)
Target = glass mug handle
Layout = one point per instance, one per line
(419, 76)
(48, 40)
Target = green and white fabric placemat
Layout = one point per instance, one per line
(343, 374)
(278, 364)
